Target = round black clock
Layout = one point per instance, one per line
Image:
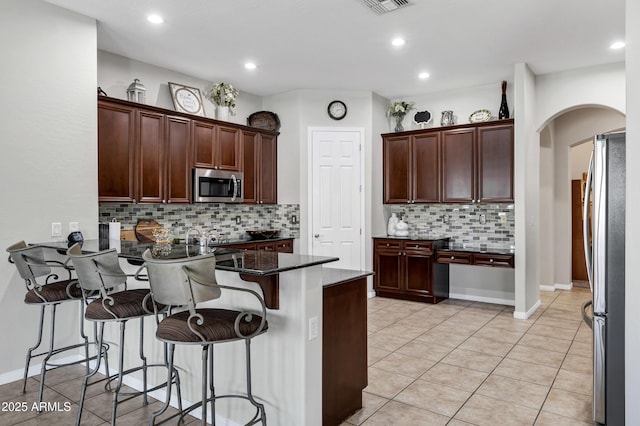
(337, 110)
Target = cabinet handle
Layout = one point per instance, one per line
(387, 244)
(168, 201)
(453, 257)
(134, 201)
(490, 260)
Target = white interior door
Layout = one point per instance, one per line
(337, 195)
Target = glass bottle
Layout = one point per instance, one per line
(504, 108)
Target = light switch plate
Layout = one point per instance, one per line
(313, 328)
(56, 229)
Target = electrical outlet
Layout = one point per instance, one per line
(503, 217)
(74, 226)
(238, 220)
(294, 219)
(313, 328)
(483, 219)
(56, 229)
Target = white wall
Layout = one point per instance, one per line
(632, 272)
(546, 256)
(579, 159)
(49, 154)
(115, 74)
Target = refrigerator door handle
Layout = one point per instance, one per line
(585, 223)
(599, 369)
(585, 315)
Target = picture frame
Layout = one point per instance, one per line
(186, 99)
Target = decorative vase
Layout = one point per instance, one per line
(391, 226)
(399, 127)
(222, 113)
(504, 108)
(402, 229)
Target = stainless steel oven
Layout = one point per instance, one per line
(217, 186)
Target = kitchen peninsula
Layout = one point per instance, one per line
(287, 361)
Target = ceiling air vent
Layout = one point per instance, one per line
(385, 6)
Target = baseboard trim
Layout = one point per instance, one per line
(525, 315)
(371, 294)
(495, 300)
(34, 369)
(547, 287)
(556, 286)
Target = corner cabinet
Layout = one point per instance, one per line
(457, 164)
(406, 269)
(146, 154)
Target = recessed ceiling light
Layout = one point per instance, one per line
(155, 19)
(617, 45)
(423, 75)
(250, 66)
(398, 41)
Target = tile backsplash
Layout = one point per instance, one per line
(179, 218)
(462, 223)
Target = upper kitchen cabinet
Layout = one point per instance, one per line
(116, 153)
(458, 165)
(470, 163)
(144, 156)
(477, 164)
(495, 163)
(260, 157)
(411, 168)
(215, 146)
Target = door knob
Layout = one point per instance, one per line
(316, 236)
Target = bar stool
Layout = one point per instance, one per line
(182, 284)
(32, 266)
(101, 273)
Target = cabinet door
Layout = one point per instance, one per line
(395, 166)
(418, 271)
(178, 160)
(151, 157)
(116, 153)
(388, 270)
(204, 135)
(425, 166)
(249, 166)
(495, 163)
(268, 170)
(267, 246)
(227, 156)
(458, 166)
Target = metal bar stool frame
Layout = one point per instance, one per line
(183, 283)
(31, 265)
(100, 273)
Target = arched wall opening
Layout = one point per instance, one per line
(560, 136)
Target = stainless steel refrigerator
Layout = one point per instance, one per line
(604, 250)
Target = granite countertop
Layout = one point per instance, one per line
(333, 276)
(254, 262)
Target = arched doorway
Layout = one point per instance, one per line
(561, 159)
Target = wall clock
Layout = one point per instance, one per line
(337, 110)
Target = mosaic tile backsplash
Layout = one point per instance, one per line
(491, 224)
(179, 218)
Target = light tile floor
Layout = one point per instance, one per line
(455, 363)
(469, 363)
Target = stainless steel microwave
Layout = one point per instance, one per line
(217, 186)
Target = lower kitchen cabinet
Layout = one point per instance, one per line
(406, 269)
(473, 258)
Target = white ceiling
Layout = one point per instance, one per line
(341, 44)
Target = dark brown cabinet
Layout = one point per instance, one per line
(146, 154)
(116, 153)
(412, 169)
(458, 164)
(477, 164)
(280, 246)
(143, 156)
(406, 270)
(260, 157)
(477, 259)
(216, 147)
